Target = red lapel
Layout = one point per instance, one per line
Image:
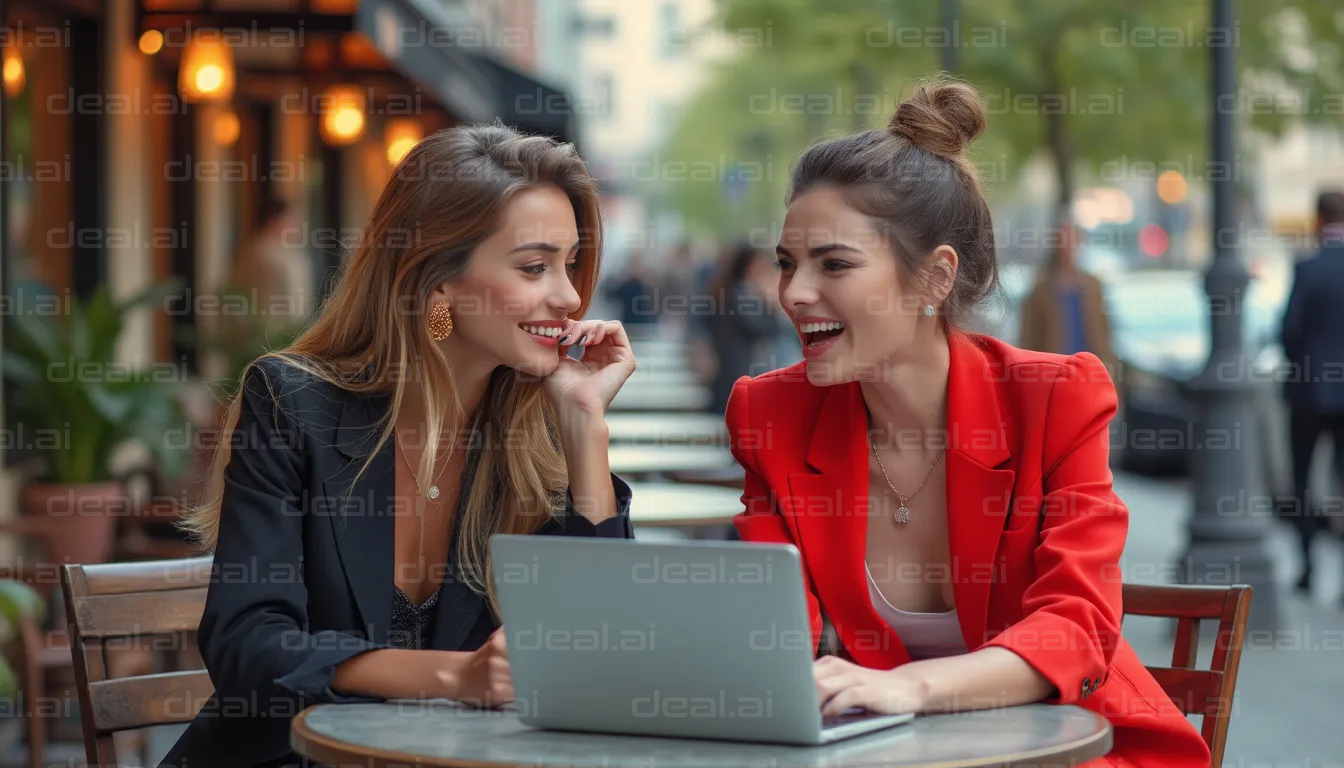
(979, 487)
(830, 504)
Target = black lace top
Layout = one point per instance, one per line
(412, 625)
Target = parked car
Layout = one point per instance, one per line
(1104, 261)
(1161, 337)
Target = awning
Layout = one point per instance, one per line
(529, 104)
(421, 40)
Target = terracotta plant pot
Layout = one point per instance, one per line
(83, 518)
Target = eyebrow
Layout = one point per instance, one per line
(539, 246)
(818, 250)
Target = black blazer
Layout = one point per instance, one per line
(1313, 333)
(303, 569)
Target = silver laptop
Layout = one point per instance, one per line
(704, 639)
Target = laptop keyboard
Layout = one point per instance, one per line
(846, 717)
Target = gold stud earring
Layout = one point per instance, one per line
(440, 321)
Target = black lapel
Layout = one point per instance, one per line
(362, 517)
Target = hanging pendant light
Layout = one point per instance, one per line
(206, 73)
(227, 128)
(14, 73)
(342, 109)
(400, 135)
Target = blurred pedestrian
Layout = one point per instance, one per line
(1313, 341)
(783, 347)
(276, 281)
(632, 294)
(1065, 311)
(699, 314)
(277, 276)
(743, 326)
(678, 282)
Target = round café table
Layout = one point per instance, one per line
(638, 459)
(725, 477)
(660, 397)
(678, 505)
(678, 375)
(658, 347)
(439, 732)
(666, 428)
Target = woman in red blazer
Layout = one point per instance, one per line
(949, 493)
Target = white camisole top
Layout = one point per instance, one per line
(924, 635)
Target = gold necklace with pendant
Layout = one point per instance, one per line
(433, 493)
(903, 512)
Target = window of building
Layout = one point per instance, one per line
(671, 31)
(604, 90)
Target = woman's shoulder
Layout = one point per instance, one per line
(783, 391)
(285, 376)
(1047, 387)
(1029, 366)
(790, 380)
(301, 387)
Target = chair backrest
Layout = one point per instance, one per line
(133, 605)
(1197, 691)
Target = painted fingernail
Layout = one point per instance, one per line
(564, 338)
(583, 338)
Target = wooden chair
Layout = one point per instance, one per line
(35, 653)
(1207, 693)
(112, 607)
(729, 477)
(43, 652)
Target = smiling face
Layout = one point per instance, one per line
(518, 290)
(841, 285)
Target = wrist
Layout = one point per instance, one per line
(447, 673)
(579, 428)
(916, 686)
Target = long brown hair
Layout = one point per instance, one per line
(443, 199)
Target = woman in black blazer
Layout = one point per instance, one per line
(431, 404)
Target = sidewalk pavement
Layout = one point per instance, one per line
(1290, 689)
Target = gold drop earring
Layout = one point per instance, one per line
(440, 321)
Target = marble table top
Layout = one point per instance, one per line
(443, 733)
(682, 504)
(640, 459)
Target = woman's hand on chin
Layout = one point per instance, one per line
(588, 385)
(842, 684)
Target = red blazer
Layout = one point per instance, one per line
(1035, 528)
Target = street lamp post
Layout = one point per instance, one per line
(1230, 519)
(757, 144)
(950, 10)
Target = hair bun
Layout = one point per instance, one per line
(941, 116)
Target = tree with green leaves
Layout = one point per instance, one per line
(1083, 82)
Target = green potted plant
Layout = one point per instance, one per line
(19, 604)
(77, 404)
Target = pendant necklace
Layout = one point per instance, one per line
(433, 493)
(903, 512)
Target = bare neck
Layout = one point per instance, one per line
(471, 379)
(907, 400)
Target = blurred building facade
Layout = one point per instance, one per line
(638, 64)
(147, 139)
